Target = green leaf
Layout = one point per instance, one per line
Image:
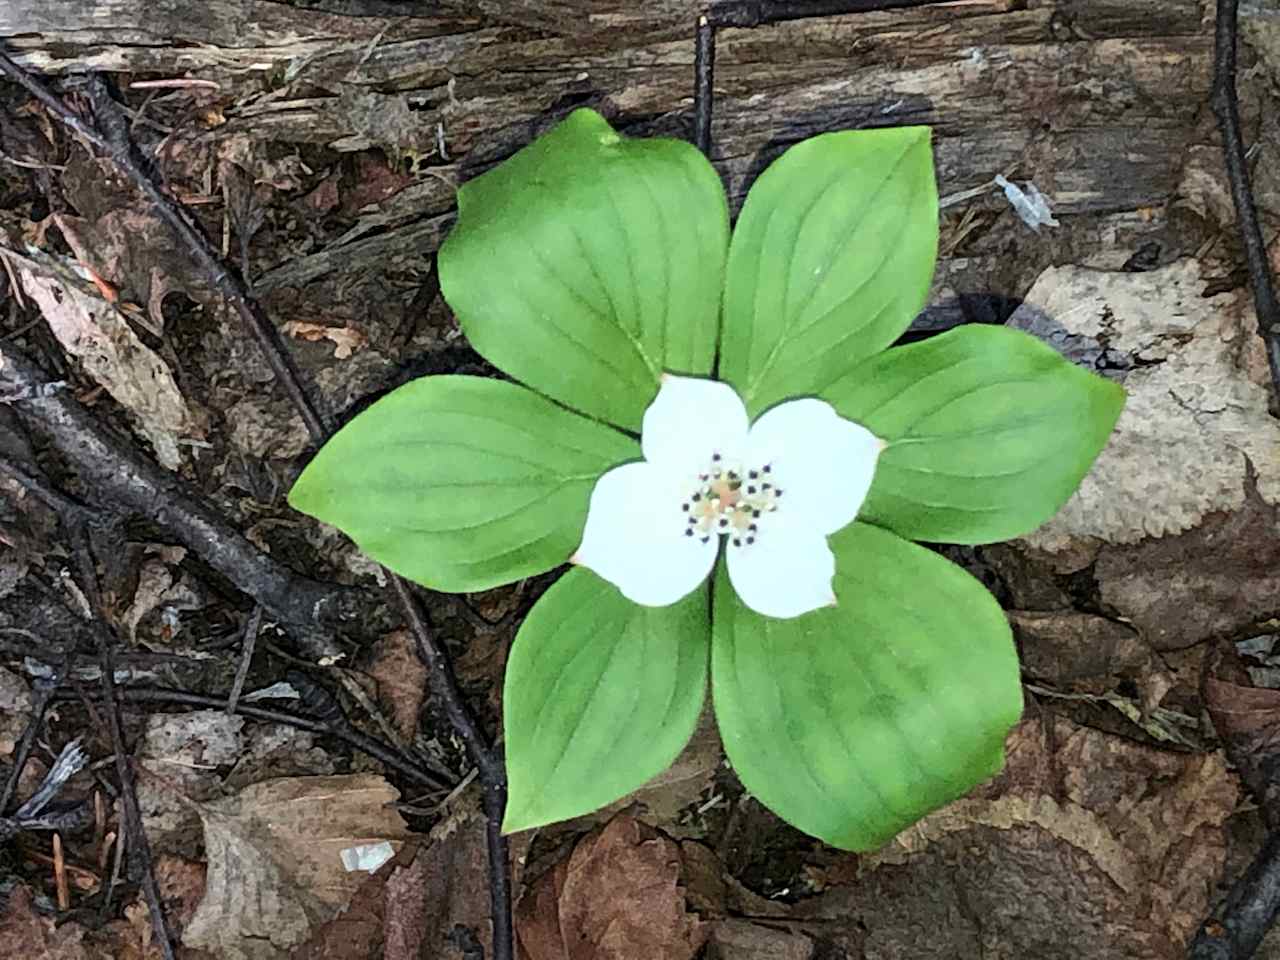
(587, 264)
(854, 721)
(601, 695)
(461, 483)
(989, 430)
(831, 259)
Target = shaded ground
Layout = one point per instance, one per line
(324, 161)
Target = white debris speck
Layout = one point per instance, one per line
(1030, 205)
(367, 857)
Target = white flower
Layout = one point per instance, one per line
(775, 492)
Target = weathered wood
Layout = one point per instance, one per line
(1093, 99)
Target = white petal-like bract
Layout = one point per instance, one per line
(635, 536)
(785, 573)
(690, 419)
(775, 490)
(822, 462)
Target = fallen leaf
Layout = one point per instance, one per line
(182, 753)
(438, 906)
(15, 707)
(1087, 845)
(347, 340)
(181, 885)
(94, 332)
(735, 939)
(1215, 580)
(25, 933)
(1247, 719)
(1084, 652)
(401, 677)
(617, 897)
(1196, 413)
(275, 869)
(359, 931)
(154, 582)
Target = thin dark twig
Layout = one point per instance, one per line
(224, 277)
(45, 492)
(122, 833)
(131, 812)
(246, 657)
(757, 13)
(383, 752)
(41, 694)
(120, 477)
(1253, 904)
(69, 118)
(1226, 108)
(704, 65)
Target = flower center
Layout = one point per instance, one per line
(730, 500)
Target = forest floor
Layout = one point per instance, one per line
(1146, 613)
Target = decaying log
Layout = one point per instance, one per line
(1096, 97)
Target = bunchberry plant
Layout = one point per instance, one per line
(715, 431)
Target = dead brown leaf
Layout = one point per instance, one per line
(1247, 719)
(617, 897)
(347, 340)
(1085, 652)
(735, 939)
(1088, 845)
(359, 930)
(94, 332)
(401, 677)
(25, 933)
(1210, 581)
(439, 905)
(275, 869)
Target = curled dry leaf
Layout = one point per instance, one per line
(1083, 652)
(1215, 580)
(275, 867)
(346, 340)
(1196, 413)
(617, 897)
(94, 332)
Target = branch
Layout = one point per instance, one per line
(117, 474)
(1246, 916)
(111, 134)
(755, 13)
(380, 750)
(1226, 108)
